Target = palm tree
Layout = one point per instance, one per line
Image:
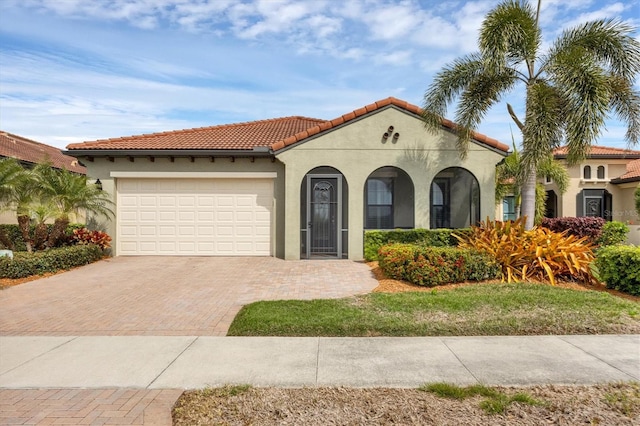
(587, 73)
(69, 194)
(17, 192)
(509, 172)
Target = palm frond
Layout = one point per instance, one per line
(509, 35)
(543, 124)
(609, 42)
(552, 169)
(625, 103)
(446, 86)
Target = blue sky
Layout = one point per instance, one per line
(78, 70)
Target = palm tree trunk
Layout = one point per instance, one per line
(528, 207)
(59, 226)
(41, 234)
(24, 222)
(4, 239)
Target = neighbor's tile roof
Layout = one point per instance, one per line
(239, 136)
(632, 174)
(597, 151)
(276, 133)
(30, 151)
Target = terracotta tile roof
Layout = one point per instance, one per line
(30, 151)
(293, 139)
(600, 152)
(239, 136)
(632, 174)
(276, 133)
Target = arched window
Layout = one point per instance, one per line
(586, 172)
(455, 199)
(600, 172)
(388, 199)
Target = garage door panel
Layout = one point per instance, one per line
(194, 216)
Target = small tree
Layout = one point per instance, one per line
(637, 197)
(68, 194)
(509, 175)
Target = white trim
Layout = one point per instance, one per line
(196, 175)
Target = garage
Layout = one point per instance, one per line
(193, 216)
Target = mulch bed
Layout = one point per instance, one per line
(389, 285)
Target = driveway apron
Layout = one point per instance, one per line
(169, 296)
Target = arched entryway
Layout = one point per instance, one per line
(388, 199)
(454, 199)
(324, 227)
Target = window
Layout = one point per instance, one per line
(388, 199)
(586, 173)
(454, 199)
(509, 208)
(379, 203)
(600, 172)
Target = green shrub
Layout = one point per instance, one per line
(430, 266)
(26, 264)
(15, 236)
(613, 233)
(619, 268)
(373, 240)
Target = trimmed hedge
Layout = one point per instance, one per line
(13, 233)
(619, 268)
(373, 240)
(590, 227)
(26, 264)
(431, 266)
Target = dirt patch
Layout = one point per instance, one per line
(614, 404)
(389, 285)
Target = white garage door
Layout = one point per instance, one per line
(223, 217)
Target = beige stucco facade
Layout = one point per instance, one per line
(622, 208)
(358, 149)
(353, 150)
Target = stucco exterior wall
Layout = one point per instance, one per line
(358, 148)
(101, 168)
(622, 210)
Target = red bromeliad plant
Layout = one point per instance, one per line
(538, 254)
(85, 236)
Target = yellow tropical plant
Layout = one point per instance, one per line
(538, 254)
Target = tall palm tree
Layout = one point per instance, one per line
(587, 73)
(69, 194)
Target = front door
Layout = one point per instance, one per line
(323, 216)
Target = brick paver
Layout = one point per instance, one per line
(159, 296)
(169, 296)
(87, 406)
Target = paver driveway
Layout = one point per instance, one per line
(187, 296)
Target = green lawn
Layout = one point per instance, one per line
(495, 309)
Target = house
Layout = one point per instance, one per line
(602, 185)
(292, 187)
(29, 152)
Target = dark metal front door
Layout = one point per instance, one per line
(323, 212)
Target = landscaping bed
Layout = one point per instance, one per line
(610, 404)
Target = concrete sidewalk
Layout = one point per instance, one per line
(146, 362)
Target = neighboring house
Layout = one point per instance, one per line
(29, 153)
(291, 187)
(602, 185)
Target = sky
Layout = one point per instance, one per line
(81, 70)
